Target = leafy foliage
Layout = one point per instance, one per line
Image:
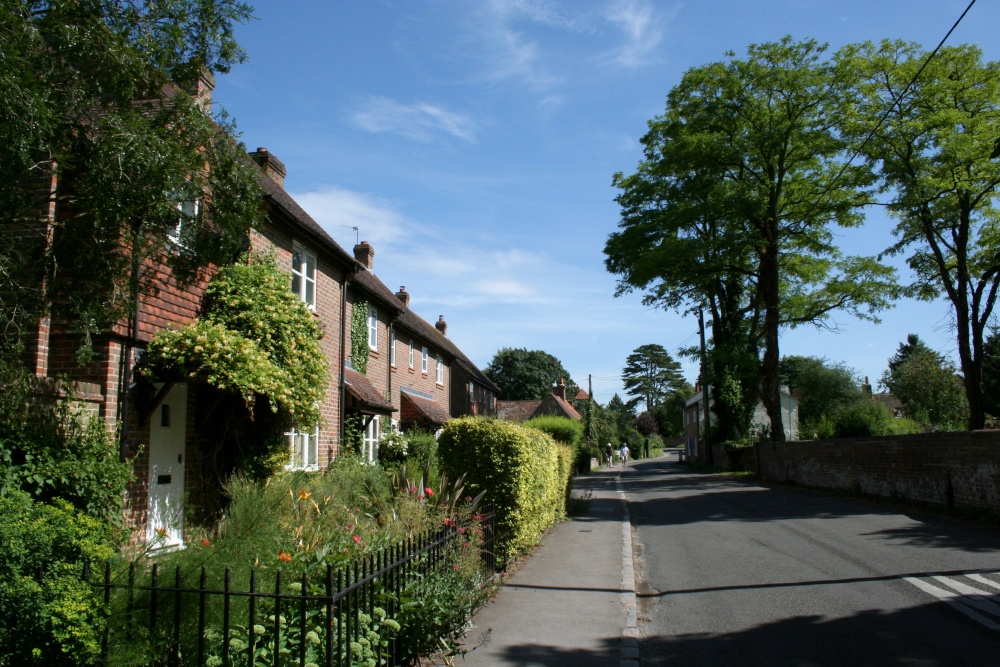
(73, 72)
(52, 449)
(525, 472)
(821, 387)
(360, 351)
(524, 375)
(650, 375)
(927, 385)
(732, 205)
(936, 154)
(51, 616)
(255, 337)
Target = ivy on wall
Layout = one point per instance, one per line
(359, 337)
(256, 338)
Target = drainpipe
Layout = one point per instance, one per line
(125, 374)
(342, 384)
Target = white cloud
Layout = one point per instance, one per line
(419, 121)
(338, 210)
(642, 31)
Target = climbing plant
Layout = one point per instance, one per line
(256, 338)
(359, 337)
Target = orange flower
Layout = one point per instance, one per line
(162, 532)
(205, 542)
(303, 494)
(284, 557)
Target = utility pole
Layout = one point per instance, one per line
(704, 386)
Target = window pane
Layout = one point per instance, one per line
(310, 269)
(310, 295)
(296, 285)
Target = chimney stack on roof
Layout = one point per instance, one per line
(441, 325)
(271, 165)
(560, 389)
(364, 253)
(403, 296)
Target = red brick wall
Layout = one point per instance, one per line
(414, 378)
(951, 469)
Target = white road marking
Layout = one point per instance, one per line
(964, 603)
(983, 580)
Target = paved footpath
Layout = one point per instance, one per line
(572, 602)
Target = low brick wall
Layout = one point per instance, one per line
(951, 469)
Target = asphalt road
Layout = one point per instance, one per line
(733, 573)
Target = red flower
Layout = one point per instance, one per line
(429, 492)
(350, 526)
(205, 542)
(357, 539)
(449, 521)
(461, 530)
(284, 557)
(456, 567)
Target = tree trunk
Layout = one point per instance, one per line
(770, 381)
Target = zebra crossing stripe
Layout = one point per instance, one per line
(983, 580)
(954, 599)
(976, 597)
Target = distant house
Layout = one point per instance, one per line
(554, 404)
(694, 419)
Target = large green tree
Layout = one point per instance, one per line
(926, 384)
(526, 375)
(822, 387)
(142, 170)
(743, 178)
(938, 155)
(650, 375)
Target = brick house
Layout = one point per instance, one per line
(421, 376)
(555, 404)
(180, 434)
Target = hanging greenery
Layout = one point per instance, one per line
(359, 337)
(255, 338)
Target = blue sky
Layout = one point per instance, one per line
(472, 143)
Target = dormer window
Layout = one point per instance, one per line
(304, 275)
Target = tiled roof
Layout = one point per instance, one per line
(276, 195)
(517, 411)
(363, 390)
(581, 395)
(567, 408)
(432, 410)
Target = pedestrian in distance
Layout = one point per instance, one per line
(609, 456)
(623, 453)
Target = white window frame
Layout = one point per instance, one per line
(423, 359)
(187, 213)
(439, 369)
(372, 328)
(411, 353)
(303, 449)
(304, 275)
(369, 441)
(392, 347)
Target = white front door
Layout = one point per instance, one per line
(167, 429)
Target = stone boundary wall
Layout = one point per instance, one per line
(951, 469)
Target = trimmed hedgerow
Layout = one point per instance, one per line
(524, 471)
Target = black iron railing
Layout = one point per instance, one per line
(339, 618)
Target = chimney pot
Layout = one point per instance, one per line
(441, 325)
(560, 389)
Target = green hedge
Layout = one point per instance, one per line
(524, 470)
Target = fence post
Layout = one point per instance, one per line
(276, 654)
(201, 618)
(302, 623)
(253, 618)
(225, 621)
(176, 647)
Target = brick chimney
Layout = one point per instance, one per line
(403, 296)
(364, 254)
(560, 390)
(271, 165)
(441, 325)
